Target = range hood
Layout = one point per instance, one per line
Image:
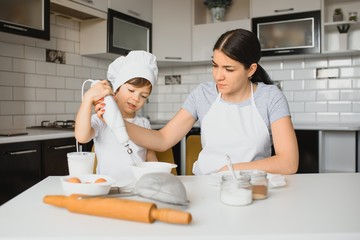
(74, 10)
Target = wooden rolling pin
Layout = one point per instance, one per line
(118, 208)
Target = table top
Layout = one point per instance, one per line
(310, 206)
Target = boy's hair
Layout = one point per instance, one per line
(138, 82)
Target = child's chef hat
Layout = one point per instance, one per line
(135, 64)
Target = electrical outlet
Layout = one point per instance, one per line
(327, 73)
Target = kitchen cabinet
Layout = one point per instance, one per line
(172, 21)
(205, 35)
(80, 9)
(338, 151)
(20, 168)
(26, 18)
(260, 8)
(55, 156)
(308, 144)
(331, 41)
(141, 9)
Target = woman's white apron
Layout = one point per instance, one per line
(228, 129)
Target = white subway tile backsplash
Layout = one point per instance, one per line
(82, 72)
(340, 83)
(22, 65)
(96, 73)
(65, 70)
(293, 64)
(350, 118)
(271, 65)
(6, 121)
(65, 95)
(11, 79)
(349, 72)
(350, 95)
(181, 89)
(297, 107)
(24, 94)
(339, 106)
(315, 84)
(55, 107)
(46, 44)
(6, 93)
(328, 117)
(304, 96)
(293, 85)
(65, 45)
(57, 31)
(12, 107)
(339, 61)
(11, 50)
(55, 82)
(278, 75)
(73, 59)
(90, 62)
(304, 117)
(72, 35)
(34, 80)
(316, 107)
(46, 68)
(35, 108)
(356, 107)
(34, 53)
(43, 94)
(72, 107)
(304, 74)
(316, 63)
(6, 64)
(327, 95)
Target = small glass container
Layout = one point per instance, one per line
(236, 192)
(353, 16)
(259, 184)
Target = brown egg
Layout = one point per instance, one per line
(100, 180)
(74, 180)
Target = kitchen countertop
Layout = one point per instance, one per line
(44, 134)
(310, 206)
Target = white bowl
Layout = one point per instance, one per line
(151, 167)
(87, 185)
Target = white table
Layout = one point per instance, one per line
(311, 206)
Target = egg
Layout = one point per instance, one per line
(100, 180)
(74, 180)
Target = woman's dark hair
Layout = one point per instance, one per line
(243, 46)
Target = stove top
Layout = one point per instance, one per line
(57, 125)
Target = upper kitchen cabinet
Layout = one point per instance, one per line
(80, 9)
(261, 8)
(205, 33)
(340, 36)
(26, 18)
(141, 9)
(172, 21)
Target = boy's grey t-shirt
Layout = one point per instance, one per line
(270, 102)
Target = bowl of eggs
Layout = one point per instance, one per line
(151, 167)
(90, 184)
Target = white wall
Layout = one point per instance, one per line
(32, 90)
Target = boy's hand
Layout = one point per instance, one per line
(99, 108)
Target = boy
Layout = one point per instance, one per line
(132, 78)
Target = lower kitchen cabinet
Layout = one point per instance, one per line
(54, 156)
(308, 143)
(20, 168)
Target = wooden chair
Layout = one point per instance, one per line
(193, 148)
(166, 156)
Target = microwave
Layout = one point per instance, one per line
(127, 33)
(288, 34)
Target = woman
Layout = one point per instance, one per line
(241, 114)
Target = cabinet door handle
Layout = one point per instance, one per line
(284, 10)
(15, 27)
(88, 1)
(63, 147)
(173, 58)
(21, 152)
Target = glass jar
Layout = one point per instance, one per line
(353, 16)
(259, 184)
(236, 192)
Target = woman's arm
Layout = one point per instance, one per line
(286, 158)
(165, 138)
